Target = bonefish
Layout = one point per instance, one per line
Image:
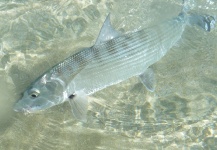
(114, 57)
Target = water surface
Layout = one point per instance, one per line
(180, 114)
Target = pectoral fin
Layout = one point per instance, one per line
(79, 104)
(107, 32)
(148, 79)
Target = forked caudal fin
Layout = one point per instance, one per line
(206, 22)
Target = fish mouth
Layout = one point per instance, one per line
(21, 107)
(25, 110)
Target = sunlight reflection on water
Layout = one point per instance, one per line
(181, 113)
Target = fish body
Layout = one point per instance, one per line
(126, 56)
(114, 58)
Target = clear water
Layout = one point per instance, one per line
(180, 114)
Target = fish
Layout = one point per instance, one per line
(113, 58)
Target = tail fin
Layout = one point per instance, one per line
(204, 21)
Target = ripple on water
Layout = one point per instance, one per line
(180, 114)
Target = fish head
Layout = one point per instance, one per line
(41, 95)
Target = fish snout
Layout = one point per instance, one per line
(19, 107)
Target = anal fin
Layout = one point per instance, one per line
(148, 79)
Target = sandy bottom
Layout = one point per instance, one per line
(180, 114)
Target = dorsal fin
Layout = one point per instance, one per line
(107, 32)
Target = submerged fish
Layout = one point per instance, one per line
(114, 57)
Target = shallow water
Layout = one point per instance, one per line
(180, 114)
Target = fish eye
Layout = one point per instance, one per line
(34, 93)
